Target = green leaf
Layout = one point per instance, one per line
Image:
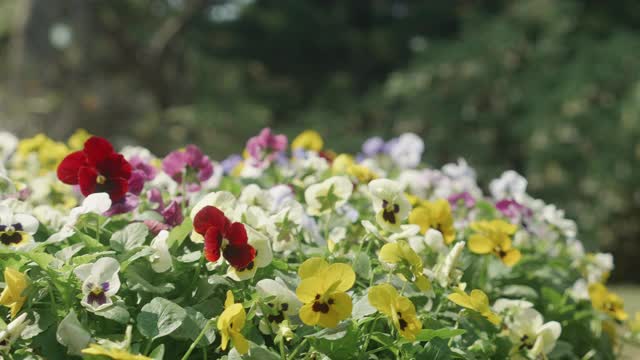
(129, 238)
(157, 353)
(193, 325)
(116, 312)
(444, 333)
(160, 318)
(137, 282)
(89, 241)
(362, 265)
(179, 233)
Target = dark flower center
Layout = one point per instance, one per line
(320, 307)
(389, 211)
(10, 234)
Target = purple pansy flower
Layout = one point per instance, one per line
(265, 147)
(124, 205)
(231, 162)
(100, 282)
(190, 165)
(513, 210)
(464, 198)
(373, 146)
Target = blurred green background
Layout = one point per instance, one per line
(549, 88)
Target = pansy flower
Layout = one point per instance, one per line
(11, 297)
(16, 230)
(323, 292)
(161, 258)
(112, 353)
(190, 166)
(265, 147)
(389, 203)
(96, 168)
(531, 336)
(328, 195)
(100, 282)
(308, 140)
(401, 254)
(282, 304)
(399, 309)
(12, 332)
(406, 150)
(221, 236)
(476, 301)
(494, 237)
(230, 323)
(263, 256)
(607, 302)
(434, 215)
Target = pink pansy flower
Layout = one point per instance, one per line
(265, 147)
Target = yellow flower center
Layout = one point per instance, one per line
(101, 179)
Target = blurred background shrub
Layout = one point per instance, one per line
(549, 88)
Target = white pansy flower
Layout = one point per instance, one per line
(161, 258)
(510, 307)
(509, 185)
(336, 235)
(16, 229)
(289, 222)
(406, 151)
(531, 336)
(432, 239)
(12, 332)
(580, 290)
(556, 217)
(280, 194)
(282, 302)
(407, 232)
(71, 334)
(389, 203)
(96, 203)
(328, 195)
(264, 256)
(252, 194)
(131, 151)
(445, 272)
(100, 282)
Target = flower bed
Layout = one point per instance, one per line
(287, 255)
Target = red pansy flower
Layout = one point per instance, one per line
(96, 168)
(221, 235)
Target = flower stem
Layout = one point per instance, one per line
(197, 340)
(283, 355)
(297, 349)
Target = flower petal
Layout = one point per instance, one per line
(68, 169)
(97, 149)
(239, 256)
(210, 216)
(212, 244)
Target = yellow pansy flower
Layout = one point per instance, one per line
(476, 301)
(323, 292)
(116, 354)
(77, 139)
(11, 297)
(342, 163)
(362, 173)
(385, 298)
(434, 215)
(607, 302)
(308, 140)
(400, 252)
(494, 237)
(230, 323)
